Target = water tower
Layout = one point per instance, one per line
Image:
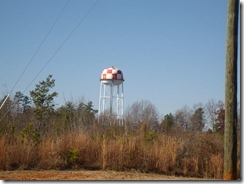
(111, 100)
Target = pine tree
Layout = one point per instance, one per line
(168, 122)
(197, 122)
(43, 100)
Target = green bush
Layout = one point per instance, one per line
(73, 156)
(150, 136)
(28, 134)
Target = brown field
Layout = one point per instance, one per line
(112, 156)
(85, 175)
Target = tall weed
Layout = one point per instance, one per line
(187, 154)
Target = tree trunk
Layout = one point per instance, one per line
(230, 145)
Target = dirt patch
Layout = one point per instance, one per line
(84, 175)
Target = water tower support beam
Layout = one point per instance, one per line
(117, 99)
(111, 98)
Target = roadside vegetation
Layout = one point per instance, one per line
(35, 134)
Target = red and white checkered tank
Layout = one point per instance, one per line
(113, 75)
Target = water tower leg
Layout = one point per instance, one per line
(100, 100)
(122, 103)
(117, 103)
(104, 96)
(111, 99)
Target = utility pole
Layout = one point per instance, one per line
(230, 144)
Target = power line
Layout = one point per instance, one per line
(42, 42)
(57, 50)
(63, 43)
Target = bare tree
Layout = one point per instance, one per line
(183, 117)
(211, 107)
(142, 112)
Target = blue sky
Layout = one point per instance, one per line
(172, 53)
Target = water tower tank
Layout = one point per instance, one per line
(112, 75)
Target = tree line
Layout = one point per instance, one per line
(37, 115)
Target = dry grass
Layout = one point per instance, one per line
(188, 155)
